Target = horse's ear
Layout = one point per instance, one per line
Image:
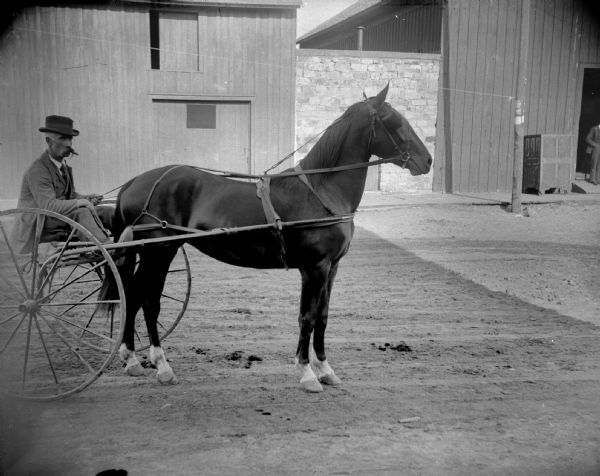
(380, 98)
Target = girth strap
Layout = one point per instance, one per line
(263, 191)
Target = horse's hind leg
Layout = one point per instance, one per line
(133, 294)
(318, 360)
(314, 282)
(154, 268)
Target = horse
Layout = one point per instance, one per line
(188, 198)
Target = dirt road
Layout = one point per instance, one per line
(466, 338)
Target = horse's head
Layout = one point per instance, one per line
(392, 137)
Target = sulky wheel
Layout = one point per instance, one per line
(57, 335)
(173, 301)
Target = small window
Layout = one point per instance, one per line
(201, 116)
(154, 40)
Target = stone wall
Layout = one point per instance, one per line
(328, 82)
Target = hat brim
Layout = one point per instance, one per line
(45, 129)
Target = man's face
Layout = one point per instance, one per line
(60, 146)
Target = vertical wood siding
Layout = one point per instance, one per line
(483, 67)
(93, 64)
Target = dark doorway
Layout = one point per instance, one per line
(590, 114)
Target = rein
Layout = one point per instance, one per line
(263, 191)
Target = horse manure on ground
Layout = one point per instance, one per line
(235, 355)
(401, 347)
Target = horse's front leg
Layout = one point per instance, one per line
(318, 360)
(314, 281)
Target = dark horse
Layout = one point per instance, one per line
(187, 197)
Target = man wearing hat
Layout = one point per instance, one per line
(48, 184)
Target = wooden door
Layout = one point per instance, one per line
(207, 134)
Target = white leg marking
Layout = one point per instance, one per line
(323, 370)
(309, 380)
(165, 374)
(133, 366)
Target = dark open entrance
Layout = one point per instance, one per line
(590, 114)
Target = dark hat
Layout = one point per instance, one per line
(60, 125)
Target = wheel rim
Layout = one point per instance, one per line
(173, 302)
(54, 339)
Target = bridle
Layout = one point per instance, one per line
(403, 155)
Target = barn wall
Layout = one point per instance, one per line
(483, 44)
(93, 64)
(60, 61)
(328, 82)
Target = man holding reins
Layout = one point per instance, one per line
(48, 184)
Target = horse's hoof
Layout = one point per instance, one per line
(330, 379)
(312, 386)
(135, 370)
(167, 378)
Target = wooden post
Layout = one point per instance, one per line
(517, 179)
(445, 76)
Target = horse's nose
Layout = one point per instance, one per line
(429, 161)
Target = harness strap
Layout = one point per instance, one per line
(304, 179)
(263, 191)
(149, 197)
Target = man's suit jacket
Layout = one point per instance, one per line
(43, 186)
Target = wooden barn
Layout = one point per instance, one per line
(479, 44)
(148, 83)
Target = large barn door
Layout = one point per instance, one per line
(205, 134)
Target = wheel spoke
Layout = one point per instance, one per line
(73, 305)
(37, 324)
(61, 337)
(10, 318)
(137, 334)
(111, 318)
(12, 335)
(87, 330)
(14, 259)
(39, 224)
(55, 263)
(15, 288)
(78, 303)
(178, 270)
(75, 280)
(172, 298)
(26, 361)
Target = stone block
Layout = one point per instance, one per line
(358, 67)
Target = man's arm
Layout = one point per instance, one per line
(590, 138)
(43, 192)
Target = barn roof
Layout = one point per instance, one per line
(350, 12)
(357, 12)
(223, 3)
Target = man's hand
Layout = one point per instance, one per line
(84, 203)
(94, 199)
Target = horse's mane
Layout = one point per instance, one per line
(326, 151)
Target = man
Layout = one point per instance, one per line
(48, 184)
(593, 141)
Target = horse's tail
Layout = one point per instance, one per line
(124, 258)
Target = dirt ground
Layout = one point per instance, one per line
(466, 338)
